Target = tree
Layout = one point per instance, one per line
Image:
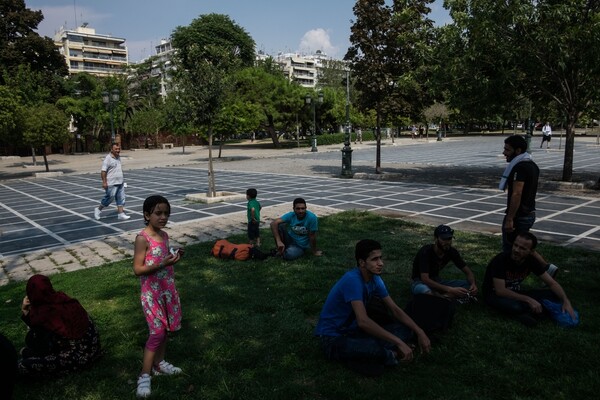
(45, 125)
(11, 117)
(21, 45)
(389, 44)
(549, 52)
(209, 50)
(279, 100)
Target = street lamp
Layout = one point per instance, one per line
(347, 150)
(110, 100)
(308, 100)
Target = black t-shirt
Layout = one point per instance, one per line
(527, 172)
(504, 267)
(426, 261)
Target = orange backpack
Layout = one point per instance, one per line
(226, 249)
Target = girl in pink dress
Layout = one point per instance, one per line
(153, 263)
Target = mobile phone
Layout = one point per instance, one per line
(174, 251)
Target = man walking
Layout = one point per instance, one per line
(546, 135)
(112, 183)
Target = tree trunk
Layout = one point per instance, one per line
(220, 145)
(45, 158)
(378, 138)
(183, 144)
(211, 173)
(33, 156)
(567, 174)
(271, 130)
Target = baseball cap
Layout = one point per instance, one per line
(444, 232)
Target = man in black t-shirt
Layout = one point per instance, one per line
(504, 275)
(430, 260)
(520, 180)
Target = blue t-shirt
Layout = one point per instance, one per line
(337, 316)
(298, 229)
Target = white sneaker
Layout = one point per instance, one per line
(165, 368)
(123, 217)
(97, 213)
(143, 386)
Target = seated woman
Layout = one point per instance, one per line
(61, 337)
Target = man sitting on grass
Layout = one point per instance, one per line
(503, 278)
(296, 231)
(431, 259)
(348, 333)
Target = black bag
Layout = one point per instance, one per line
(433, 314)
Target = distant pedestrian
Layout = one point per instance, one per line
(153, 262)
(546, 135)
(254, 208)
(413, 131)
(112, 183)
(421, 131)
(358, 136)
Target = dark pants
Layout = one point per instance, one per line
(515, 308)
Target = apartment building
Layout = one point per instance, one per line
(299, 69)
(86, 51)
(162, 65)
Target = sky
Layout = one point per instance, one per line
(275, 25)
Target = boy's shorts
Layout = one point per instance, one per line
(253, 230)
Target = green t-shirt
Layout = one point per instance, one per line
(253, 203)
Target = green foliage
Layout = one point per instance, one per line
(247, 327)
(20, 45)
(45, 125)
(11, 116)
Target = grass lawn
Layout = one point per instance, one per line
(247, 329)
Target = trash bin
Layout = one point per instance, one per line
(528, 137)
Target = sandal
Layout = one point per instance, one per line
(143, 386)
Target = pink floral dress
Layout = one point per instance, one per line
(160, 299)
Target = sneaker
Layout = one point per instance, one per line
(552, 270)
(97, 213)
(165, 368)
(123, 217)
(143, 386)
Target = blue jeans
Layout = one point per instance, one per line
(115, 192)
(292, 250)
(359, 346)
(418, 287)
(521, 224)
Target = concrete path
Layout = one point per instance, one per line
(48, 225)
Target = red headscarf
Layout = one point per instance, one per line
(55, 311)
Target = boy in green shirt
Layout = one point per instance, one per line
(253, 217)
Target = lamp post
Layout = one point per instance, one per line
(347, 150)
(110, 100)
(308, 100)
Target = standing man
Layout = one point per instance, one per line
(296, 231)
(347, 332)
(431, 259)
(546, 135)
(504, 275)
(112, 183)
(520, 178)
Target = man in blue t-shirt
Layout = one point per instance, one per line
(348, 333)
(296, 231)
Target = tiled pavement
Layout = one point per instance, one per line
(48, 225)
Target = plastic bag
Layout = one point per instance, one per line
(562, 318)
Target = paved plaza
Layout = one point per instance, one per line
(48, 224)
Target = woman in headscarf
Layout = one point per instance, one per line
(61, 337)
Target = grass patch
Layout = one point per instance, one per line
(247, 328)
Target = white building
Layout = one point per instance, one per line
(162, 64)
(86, 51)
(298, 69)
